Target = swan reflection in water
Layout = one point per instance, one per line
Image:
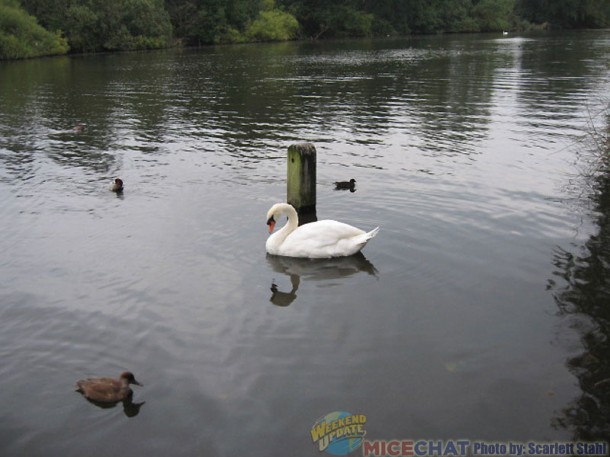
(314, 270)
(280, 298)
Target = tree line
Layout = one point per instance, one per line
(31, 28)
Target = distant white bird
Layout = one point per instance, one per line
(316, 240)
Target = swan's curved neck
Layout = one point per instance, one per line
(291, 224)
(276, 240)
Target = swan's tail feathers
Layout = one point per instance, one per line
(365, 238)
(372, 233)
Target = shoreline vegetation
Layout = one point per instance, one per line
(37, 28)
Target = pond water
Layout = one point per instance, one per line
(468, 153)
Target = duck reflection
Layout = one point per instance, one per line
(314, 270)
(130, 409)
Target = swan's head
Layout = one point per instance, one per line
(272, 216)
(271, 223)
(276, 211)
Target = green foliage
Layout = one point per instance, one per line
(566, 13)
(80, 22)
(231, 36)
(267, 5)
(127, 25)
(106, 25)
(425, 16)
(182, 14)
(208, 25)
(354, 23)
(273, 25)
(50, 14)
(146, 25)
(454, 15)
(100, 25)
(391, 17)
(21, 36)
(494, 15)
(335, 19)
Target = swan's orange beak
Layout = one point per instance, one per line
(271, 224)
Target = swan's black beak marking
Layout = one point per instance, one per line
(271, 224)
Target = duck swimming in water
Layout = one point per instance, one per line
(107, 390)
(346, 184)
(117, 185)
(80, 127)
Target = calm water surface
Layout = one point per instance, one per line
(474, 314)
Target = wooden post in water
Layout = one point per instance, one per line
(302, 180)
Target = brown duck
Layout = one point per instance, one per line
(117, 185)
(107, 390)
(346, 184)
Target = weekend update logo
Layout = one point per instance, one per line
(339, 433)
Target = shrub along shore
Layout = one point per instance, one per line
(34, 28)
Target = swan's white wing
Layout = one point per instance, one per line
(324, 239)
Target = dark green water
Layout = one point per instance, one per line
(478, 312)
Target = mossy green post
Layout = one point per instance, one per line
(302, 177)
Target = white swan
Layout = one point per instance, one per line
(316, 240)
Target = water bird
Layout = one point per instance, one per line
(345, 184)
(107, 390)
(316, 240)
(504, 32)
(117, 185)
(80, 127)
